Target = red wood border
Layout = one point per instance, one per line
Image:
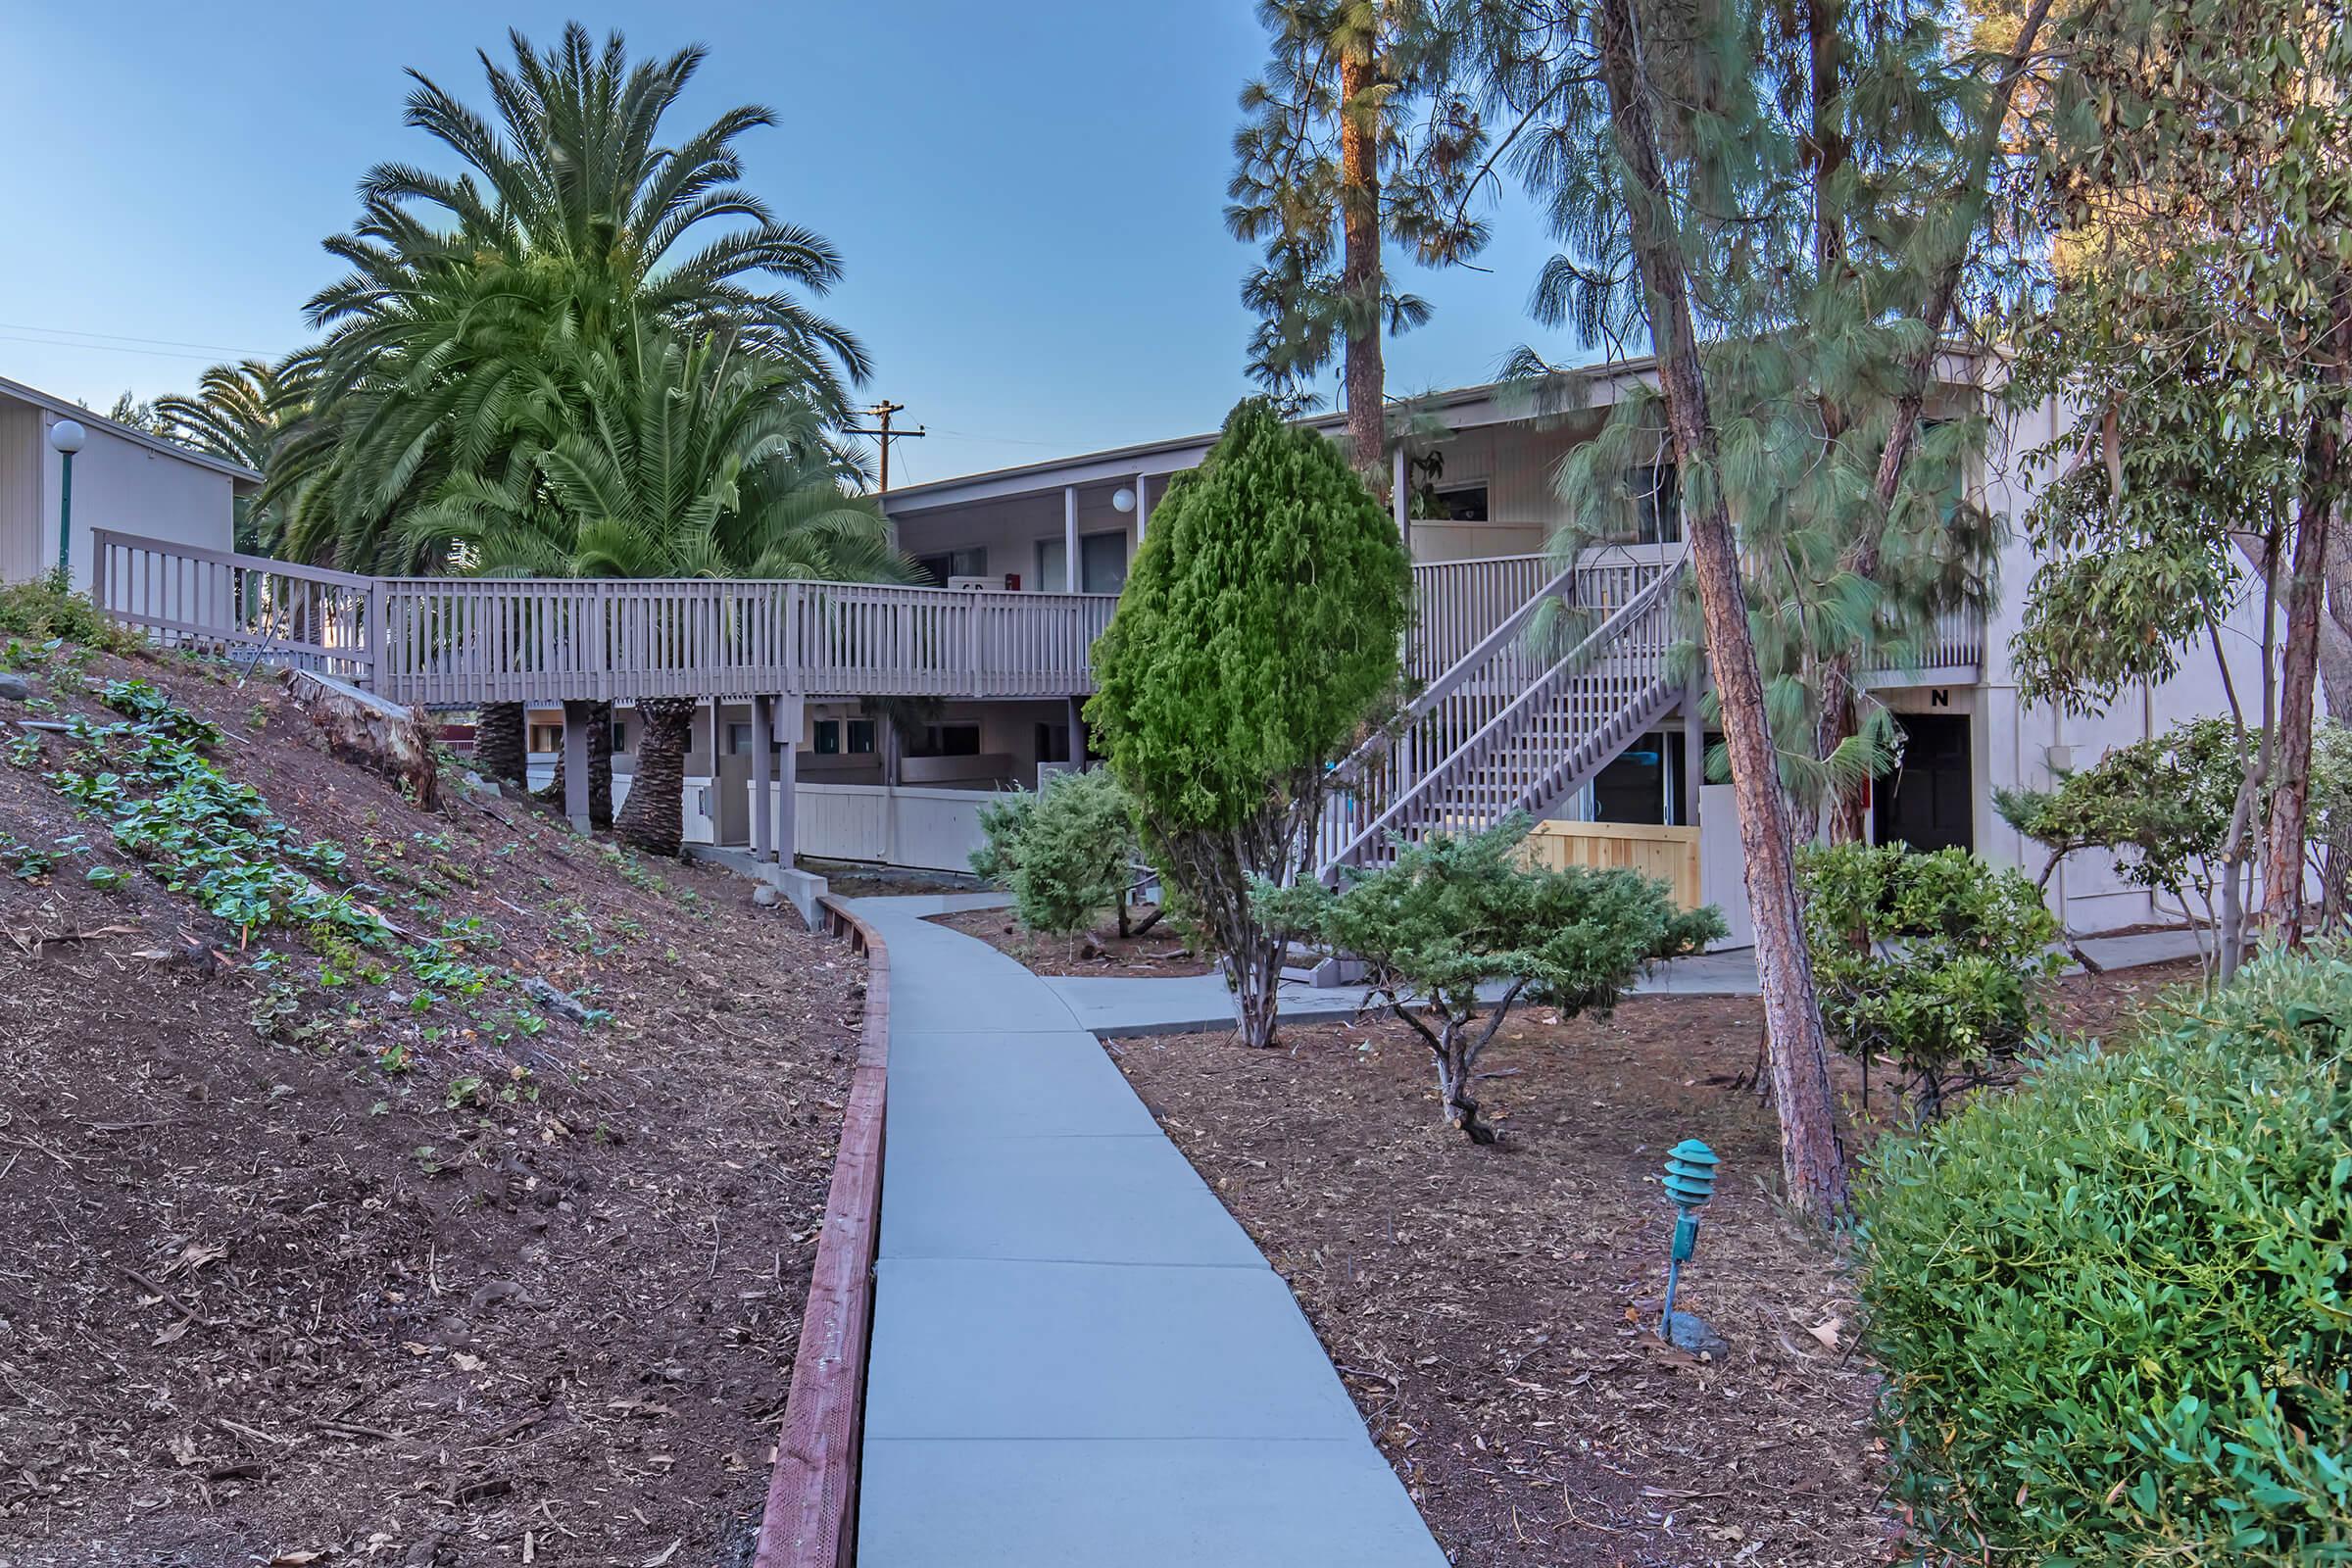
(812, 1518)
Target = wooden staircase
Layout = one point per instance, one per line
(1514, 726)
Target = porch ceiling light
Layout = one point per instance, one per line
(1122, 500)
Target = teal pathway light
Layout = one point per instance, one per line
(1690, 1183)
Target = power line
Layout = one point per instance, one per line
(125, 337)
(114, 348)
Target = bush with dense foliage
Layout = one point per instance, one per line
(1065, 853)
(42, 612)
(2111, 1306)
(1928, 960)
(1258, 634)
(1451, 914)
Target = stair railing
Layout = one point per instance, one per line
(1497, 732)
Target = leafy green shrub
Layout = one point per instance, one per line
(2111, 1306)
(1929, 959)
(1451, 914)
(44, 613)
(1065, 853)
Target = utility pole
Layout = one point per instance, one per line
(885, 436)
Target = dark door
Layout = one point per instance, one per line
(1928, 802)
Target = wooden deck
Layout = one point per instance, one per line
(458, 642)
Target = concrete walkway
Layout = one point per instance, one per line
(1078, 1356)
(1115, 1004)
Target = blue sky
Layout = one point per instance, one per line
(1029, 198)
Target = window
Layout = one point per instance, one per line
(547, 737)
(1460, 503)
(621, 735)
(1101, 563)
(861, 737)
(1657, 506)
(1644, 783)
(951, 740)
(968, 563)
(738, 739)
(828, 737)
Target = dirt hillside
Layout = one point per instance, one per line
(383, 1186)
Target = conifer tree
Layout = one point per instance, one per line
(1792, 205)
(1357, 135)
(1257, 637)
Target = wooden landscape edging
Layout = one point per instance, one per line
(812, 1517)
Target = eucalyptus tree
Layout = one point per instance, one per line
(2198, 174)
(681, 457)
(1790, 204)
(1357, 135)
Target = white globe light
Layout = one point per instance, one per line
(67, 436)
(1122, 500)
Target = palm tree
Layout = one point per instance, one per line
(575, 220)
(681, 459)
(242, 412)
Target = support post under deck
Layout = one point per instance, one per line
(1695, 753)
(576, 716)
(764, 711)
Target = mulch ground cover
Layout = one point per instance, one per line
(1163, 950)
(316, 1263)
(1492, 1310)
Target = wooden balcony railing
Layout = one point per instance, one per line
(462, 641)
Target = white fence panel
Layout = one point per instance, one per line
(924, 830)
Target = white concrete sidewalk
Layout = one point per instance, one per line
(1121, 1004)
(1078, 1356)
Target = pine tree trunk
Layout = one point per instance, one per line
(1359, 266)
(501, 751)
(1812, 1159)
(655, 817)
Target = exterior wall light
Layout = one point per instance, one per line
(68, 437)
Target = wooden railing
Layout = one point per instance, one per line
(215, 602)
(1457, 603)
(464, 641)
(1512, 728)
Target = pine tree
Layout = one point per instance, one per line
(1356, 136)
(1256, 636)
(1790, 204)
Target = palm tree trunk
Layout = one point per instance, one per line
(500, 750)
(654, 815)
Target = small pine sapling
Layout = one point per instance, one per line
(1453, 915)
